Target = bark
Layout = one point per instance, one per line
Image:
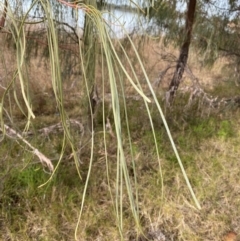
(183, 57)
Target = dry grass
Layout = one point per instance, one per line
(209, 147)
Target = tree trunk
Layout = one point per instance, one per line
(183, 57)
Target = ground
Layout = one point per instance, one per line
(207, 140)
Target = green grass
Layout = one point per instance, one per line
(209, 150)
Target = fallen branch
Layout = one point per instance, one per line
(11, 133)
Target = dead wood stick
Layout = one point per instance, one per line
(11, 133)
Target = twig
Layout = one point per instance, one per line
(11, 133)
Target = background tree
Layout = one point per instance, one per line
(183, 57)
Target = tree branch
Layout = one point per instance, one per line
(11, 133)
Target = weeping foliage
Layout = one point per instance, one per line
(115, 72)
